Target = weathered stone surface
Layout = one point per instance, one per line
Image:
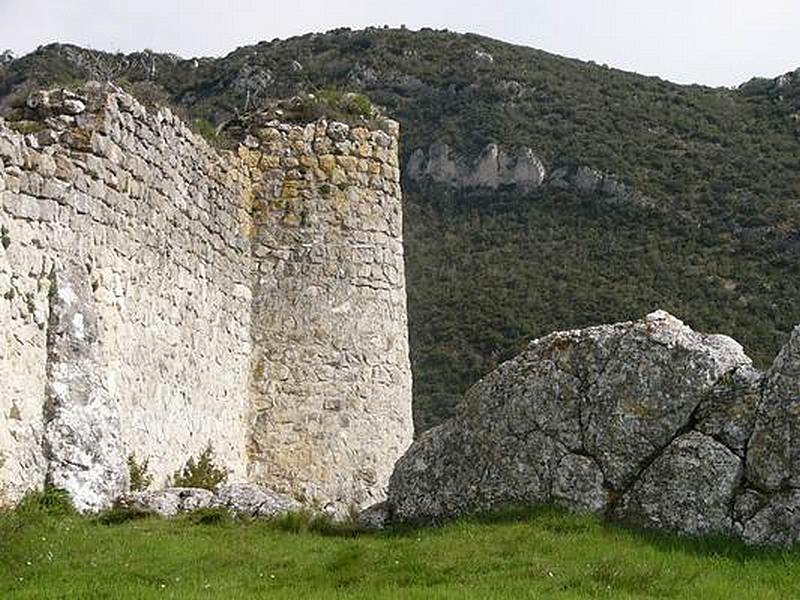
(578, 484)
(180, 239)
(773, 454)
(254, 501)
(169, 502)
(582, 419)
(242, 499)
(82, 439)
(494, 167)
(374, 517)
(646, 422)
(776, 523)
(728, 412)
(161, 220)
(689, 488)
(331, 377)
(658, 374)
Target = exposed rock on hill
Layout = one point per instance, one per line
(647, 422)
(496, 166)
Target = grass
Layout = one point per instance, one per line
(543, 554)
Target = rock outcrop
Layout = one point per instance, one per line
(253, 501)
(496, 166)
(240, 499)
(82, 441)
(499, 166)
(646, 422)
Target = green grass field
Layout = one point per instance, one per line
(545, 554)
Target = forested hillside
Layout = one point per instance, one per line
(716, 243)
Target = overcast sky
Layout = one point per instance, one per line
(715, 42)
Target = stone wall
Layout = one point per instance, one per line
(159, 221)
(332, 379)
(254, 300)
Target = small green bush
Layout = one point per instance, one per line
(26, 127)
(210, 516)
(201, 473)
(51, 501)
(121, 513)
(139, 474)
(204, 128)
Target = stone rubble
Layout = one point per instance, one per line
(241, 499)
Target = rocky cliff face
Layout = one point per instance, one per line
(495, 166)
(202, 296)
(646, 422)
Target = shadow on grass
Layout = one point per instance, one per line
(721, 546)
(560, 520)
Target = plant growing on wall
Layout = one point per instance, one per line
(139, 473)
(202, 472)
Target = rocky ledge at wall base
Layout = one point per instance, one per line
(242, 499)
(647, 423)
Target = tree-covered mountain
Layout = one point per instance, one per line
(654, 195)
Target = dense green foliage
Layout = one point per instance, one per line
(488, 271)
(544, 554)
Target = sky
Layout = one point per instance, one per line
(712, 42)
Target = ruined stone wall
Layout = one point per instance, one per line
(332, 380)
(159, 220)
(253, 300)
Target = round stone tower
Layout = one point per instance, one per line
(331, 372)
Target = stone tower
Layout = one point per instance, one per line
(331, 374)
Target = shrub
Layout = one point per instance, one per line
(51, 500)
(210, 516)
(201, 473)
(122, 513)
(204, 128)
(139, 474)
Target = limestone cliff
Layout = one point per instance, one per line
(229, 294)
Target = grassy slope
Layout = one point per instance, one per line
(548, 554)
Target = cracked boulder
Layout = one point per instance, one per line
(579, 419)
(775, 522)
(689, 488)
(773, 454)
(81, 420)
